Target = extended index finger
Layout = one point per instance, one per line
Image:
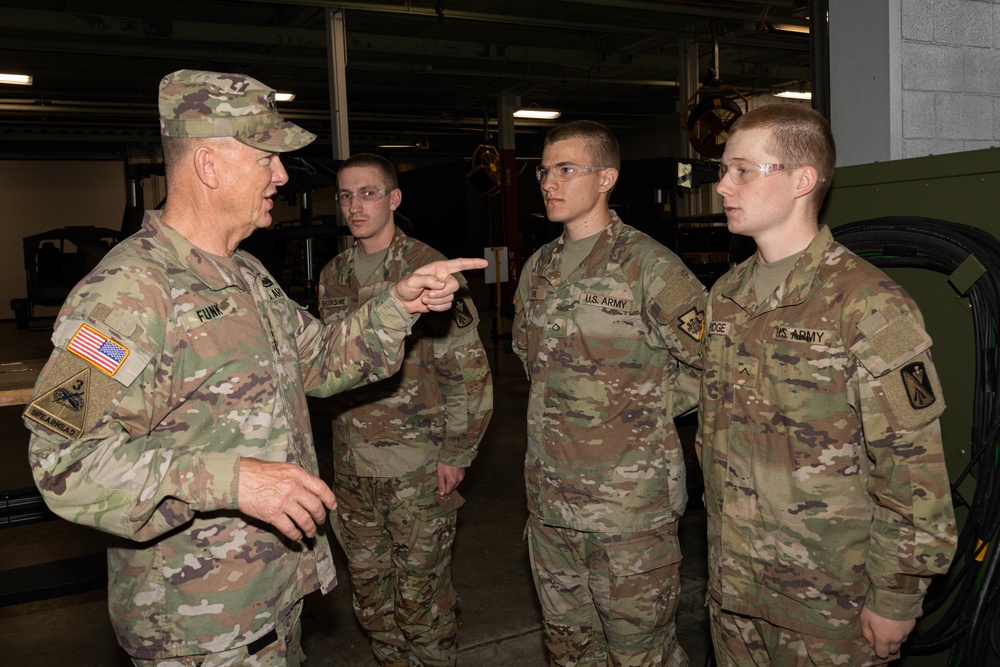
(464, 264)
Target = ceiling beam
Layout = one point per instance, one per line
(666, 7)
(133, 27)
(130, 28)
(507, 54)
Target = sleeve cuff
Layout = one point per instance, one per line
(391, 315)
(219, 481)
(461, 458)
(895, 605)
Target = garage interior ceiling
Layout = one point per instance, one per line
(418, 71)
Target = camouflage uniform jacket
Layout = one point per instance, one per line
(206, 361)
(611, 352)
(825, 480)
(439, 404)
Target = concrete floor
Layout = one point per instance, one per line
(499, 619)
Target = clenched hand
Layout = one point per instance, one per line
(884, 635)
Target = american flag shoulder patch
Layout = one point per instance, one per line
(95, 348)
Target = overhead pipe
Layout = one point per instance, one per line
(168, 52)
(663, 7)
(819, 55)
(35, 19)
(470, 123)
(318, 62)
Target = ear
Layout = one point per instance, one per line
(207, 165)
(608, 179)
(808, 179)
(395, 198)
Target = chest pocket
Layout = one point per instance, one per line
(370, 291)
(217, 327)
(805, 370)
(606, 311)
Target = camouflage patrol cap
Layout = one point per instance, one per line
(195, 103)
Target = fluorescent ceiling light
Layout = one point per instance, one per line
(789, 27)
(16, 79)
(284, 97)
(536, 113)
(794, 95)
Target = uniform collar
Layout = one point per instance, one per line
(602, 258)
(214, 271)
(393, 257)
(795, 289)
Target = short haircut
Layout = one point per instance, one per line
(384, 167)
(601, 143)
(800, 137)
(175, 149)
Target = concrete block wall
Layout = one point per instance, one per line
(950, 59)
(911, 78)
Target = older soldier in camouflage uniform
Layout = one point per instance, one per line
(608, 324)
(828, 501)
(172, 412)
(401, 446)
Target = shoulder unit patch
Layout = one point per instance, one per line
(692, 323)
(918, 385)
(63, 408)
(461, 313)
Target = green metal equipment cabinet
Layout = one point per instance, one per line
(958, 187)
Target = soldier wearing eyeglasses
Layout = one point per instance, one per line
(608, 324)
(401, 446)
(828, 502)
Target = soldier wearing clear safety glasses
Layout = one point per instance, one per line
(401, 447)
(608, 324)
(828, 501)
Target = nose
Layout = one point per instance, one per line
(724, 185)
(278, 174)
(548, 181)
(355, 204)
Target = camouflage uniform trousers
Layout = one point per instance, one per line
(742, 641)
(608, 593)
(284, 649)
(397, 537)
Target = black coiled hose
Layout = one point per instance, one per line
(969, 596)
